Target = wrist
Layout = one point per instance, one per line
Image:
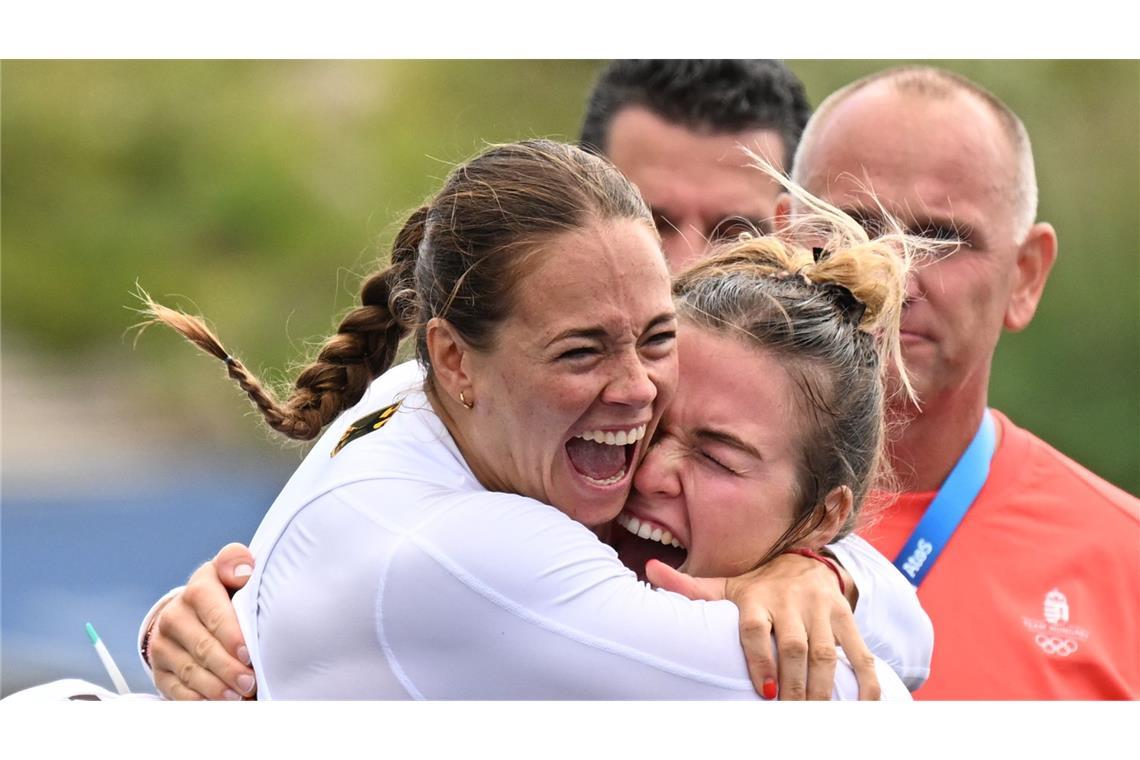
(850, 590)
(146, 628)
(829, 563)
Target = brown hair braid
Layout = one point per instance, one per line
(458, 257)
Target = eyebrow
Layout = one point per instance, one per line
(663, 213)
(762, 224)
(597, 332)
(728, 439)
(946, 227)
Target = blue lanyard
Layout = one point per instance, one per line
(950, 504)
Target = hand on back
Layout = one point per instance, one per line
(195, 646)
(799, 601)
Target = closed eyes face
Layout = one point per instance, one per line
(579, 372)
(720, 476)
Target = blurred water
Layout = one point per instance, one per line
(103, 554)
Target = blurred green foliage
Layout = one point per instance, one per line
(262, 190)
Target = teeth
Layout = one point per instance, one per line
(647, 531)
(621, 438)
(607, 481)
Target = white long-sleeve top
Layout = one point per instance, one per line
(388, 571)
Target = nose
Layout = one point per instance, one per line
(914, 288)
(683, 246)
(631, 383)
(658, 473)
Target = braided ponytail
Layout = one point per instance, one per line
(363, 348)
(457, 258)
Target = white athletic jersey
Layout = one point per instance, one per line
(388, 572)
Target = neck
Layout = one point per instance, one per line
(449, 413)
(930, 442)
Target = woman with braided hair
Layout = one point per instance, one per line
(436, 541)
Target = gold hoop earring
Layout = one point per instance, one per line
(463, 400)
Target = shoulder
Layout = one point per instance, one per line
(393, 433)
(1047, 474)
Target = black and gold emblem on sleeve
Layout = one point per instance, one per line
(364, 426)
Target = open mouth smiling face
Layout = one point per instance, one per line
(579, 373)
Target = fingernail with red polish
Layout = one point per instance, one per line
(769, 690)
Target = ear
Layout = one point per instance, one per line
(1035, 259)
(450, 358)
(837, 508)
(783, 214)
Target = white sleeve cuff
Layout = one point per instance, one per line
(149, 620)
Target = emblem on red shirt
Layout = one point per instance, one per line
(1054, 635)
(1056, 608)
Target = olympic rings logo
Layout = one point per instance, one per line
(1060, 647)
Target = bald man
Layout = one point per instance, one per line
(1028, 564)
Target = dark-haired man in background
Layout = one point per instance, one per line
(675, 129)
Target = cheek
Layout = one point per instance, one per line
(664, 374)
(739, 523)
(965, 285)
(548, 404)
(525, 403)
(723, 531)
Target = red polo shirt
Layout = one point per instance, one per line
(1037, 593)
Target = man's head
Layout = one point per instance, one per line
(675, 129)
(947, 159)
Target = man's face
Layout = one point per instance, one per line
(942, 168)
(696, 184)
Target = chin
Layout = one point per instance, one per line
(592, 510)
(594, 518)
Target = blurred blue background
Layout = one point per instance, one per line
(259, 192)
(104, 554)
